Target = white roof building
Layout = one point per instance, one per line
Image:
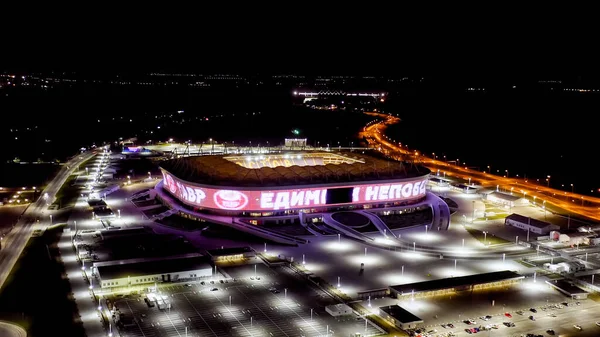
(507, 199)
(529, 224)
(338, 309)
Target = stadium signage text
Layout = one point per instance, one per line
(288, 199)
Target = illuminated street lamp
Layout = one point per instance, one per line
(119, 211)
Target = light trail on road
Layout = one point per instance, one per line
(14, 243)
(584, 205)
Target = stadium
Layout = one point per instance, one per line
(300, 185)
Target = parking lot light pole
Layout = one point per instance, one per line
(311, 312)
(254, 271)
(285, 293)
(186, 331)
(229, 300)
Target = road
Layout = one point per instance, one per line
(542, 194)
(15, 241)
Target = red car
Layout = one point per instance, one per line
(507, 314)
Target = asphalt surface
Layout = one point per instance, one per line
(8, 329)
(14, 243)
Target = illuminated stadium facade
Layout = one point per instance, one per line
(290, 183)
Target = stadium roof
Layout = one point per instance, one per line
(221, 171)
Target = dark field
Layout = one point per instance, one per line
(26, 175)
(40, 304)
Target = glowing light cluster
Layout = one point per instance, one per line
(269, 200)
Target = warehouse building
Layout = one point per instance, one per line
(568, 288)
(455, 284)
(231, 254)
(133, 272)
(529, 224)
(399, 317)
(507, 200)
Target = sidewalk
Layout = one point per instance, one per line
(87, 306)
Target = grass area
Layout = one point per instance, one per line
(594, 297)
(493, 217)
(490, 239)
(37, 295)
(526, 264)
(68, 193)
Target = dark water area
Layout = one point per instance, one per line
(531, 135)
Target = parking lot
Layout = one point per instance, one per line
(265, 302)
(438, 311)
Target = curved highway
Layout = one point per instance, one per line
(8, 329)
(15, 241)
(583, 205)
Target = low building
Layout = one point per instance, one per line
(467, 189)
(577, 238)
(96, 203)
(572, 266)
(338, 310)
(529, 224)
(455, 284)
(569, 289)
(104, 213)
(508, 200)
(565, 267)
(439, 182)
(400, 317)
(124, 273)
(230, 254)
